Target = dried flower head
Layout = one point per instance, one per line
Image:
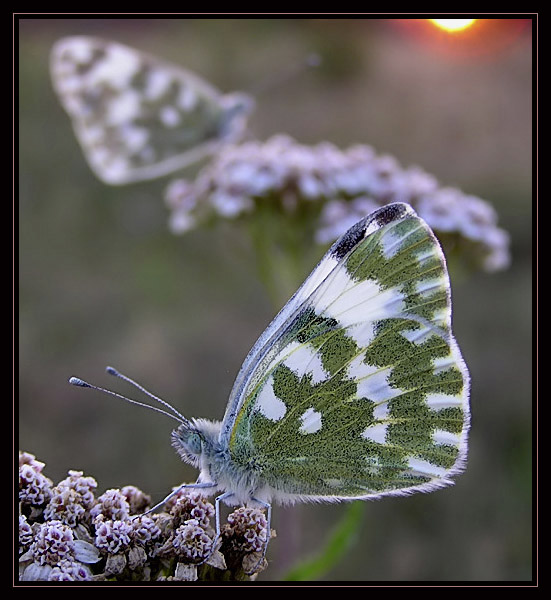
(83, 486)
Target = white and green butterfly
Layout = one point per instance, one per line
(356, 390)
(137, 117)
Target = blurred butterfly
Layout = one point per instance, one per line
(356, 390)
(137, 117)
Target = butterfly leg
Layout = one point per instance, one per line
(194, 486)
(223, 496)
(216, 539)
(265, 505)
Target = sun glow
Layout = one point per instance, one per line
(452, 25)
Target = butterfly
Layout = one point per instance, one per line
(137, 117)
(357, 389)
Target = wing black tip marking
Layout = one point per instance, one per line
(383, 216)
(349, 240)
(390, 213)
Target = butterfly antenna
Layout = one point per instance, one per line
(116, 373)
(176, 416)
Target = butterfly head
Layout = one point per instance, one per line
(194, 440)
(236, 107)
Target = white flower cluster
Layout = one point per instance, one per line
(347, 185)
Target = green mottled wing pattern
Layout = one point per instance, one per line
(137, 117)
(358, 388)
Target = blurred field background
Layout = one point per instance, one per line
(102, 281)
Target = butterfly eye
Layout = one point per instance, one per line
(187, 441)
(194, 443)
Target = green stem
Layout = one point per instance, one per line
(339, 543)
(280, 255)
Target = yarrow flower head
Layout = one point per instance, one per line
(144, 530)
(190, 542)
(112, 505)
(26, 458)
(25, 534)
(65, 505)
(247, 529)
(84, 486)
(471, 219)
(339, 187)
(70, 570)
(188, 504)
(138, 502)
(71, 499)
(112, 537)
(35, 489)
(52, 543)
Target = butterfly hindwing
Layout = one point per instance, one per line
(358, 388)
(137, 117)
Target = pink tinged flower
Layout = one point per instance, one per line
(112, 505)
(112, 537)
(191, 542)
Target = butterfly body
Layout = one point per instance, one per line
(356, 390)
(201, 447)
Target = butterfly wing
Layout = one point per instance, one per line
(358, 389)
(137, 117)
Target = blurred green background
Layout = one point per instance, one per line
(102, 281)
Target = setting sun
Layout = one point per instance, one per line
(452, 24)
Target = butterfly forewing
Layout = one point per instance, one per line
(137, 117)
(358, 388)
